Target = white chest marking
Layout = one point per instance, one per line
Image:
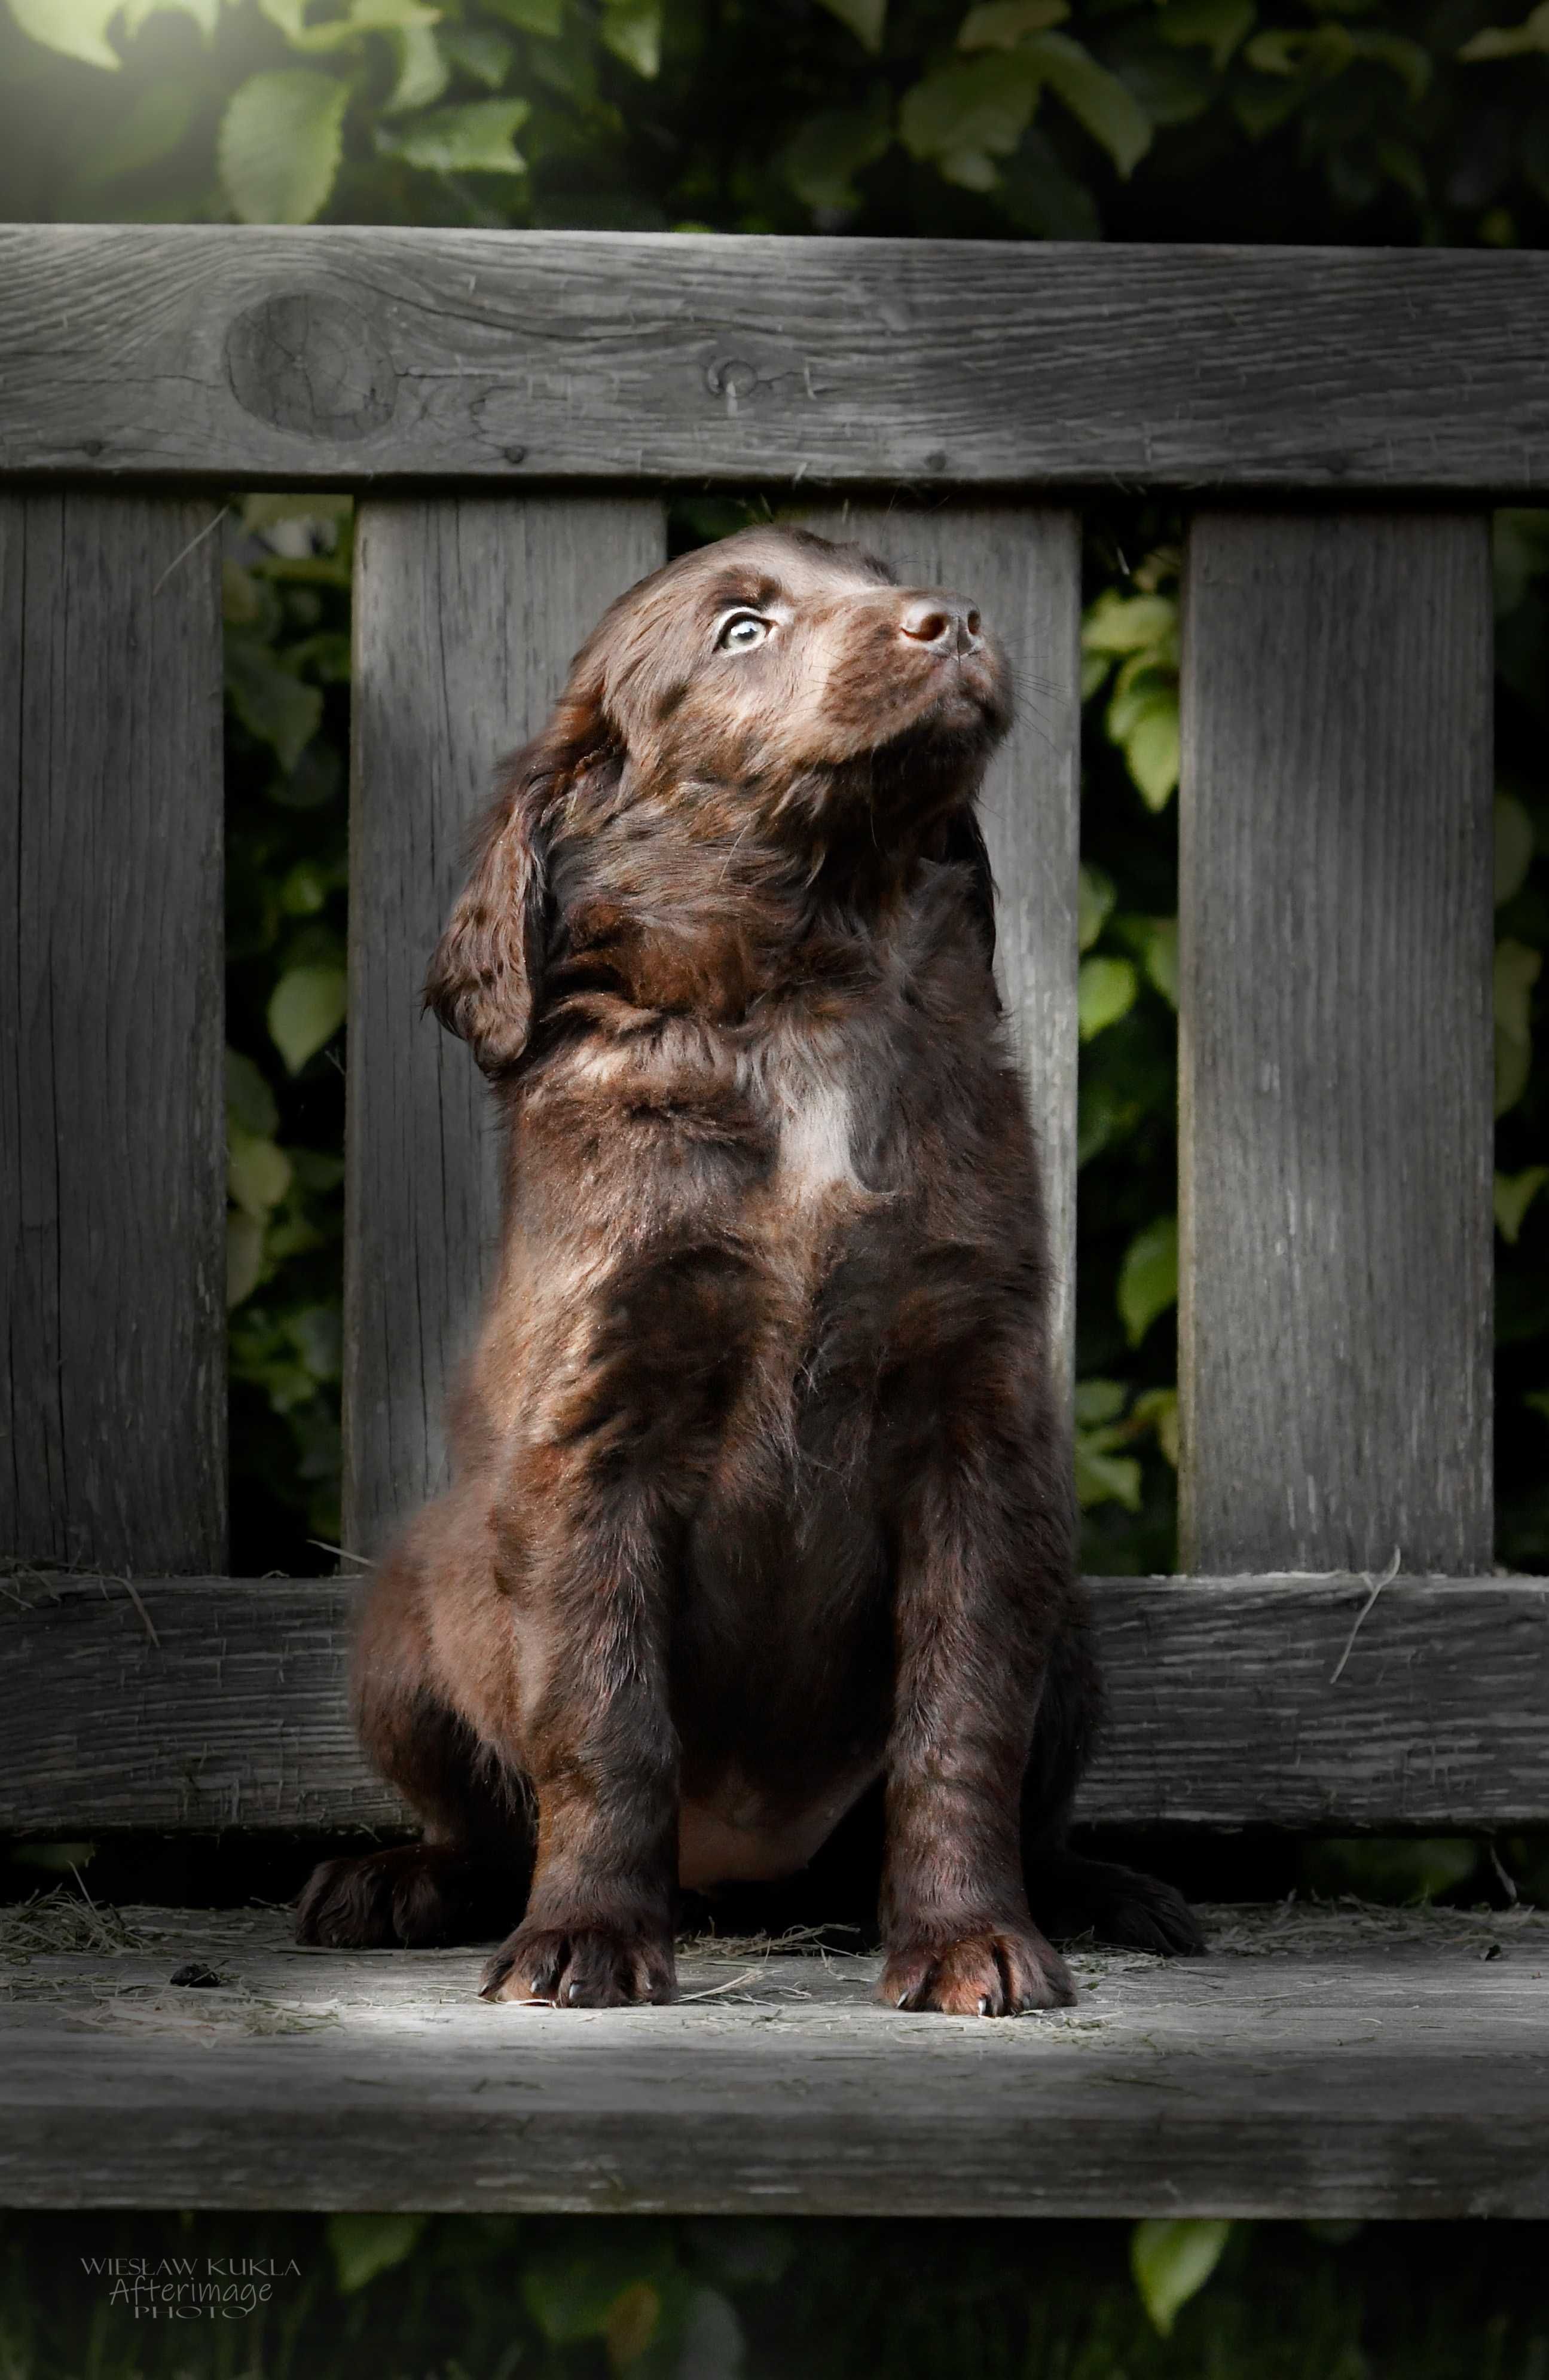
(807, 1096)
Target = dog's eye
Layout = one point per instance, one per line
(740, 631)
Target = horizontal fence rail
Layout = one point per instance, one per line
(1298, 1701)
(342, 357)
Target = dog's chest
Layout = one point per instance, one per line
(817, 1097)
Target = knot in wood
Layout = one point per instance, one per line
(312, 363)
(731, 377)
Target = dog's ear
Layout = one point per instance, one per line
(486, 979)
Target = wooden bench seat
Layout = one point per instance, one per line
(1321, 2061)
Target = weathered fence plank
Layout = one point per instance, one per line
(1232, 1702)
(1334, 1084)
(112, 1164)
(341, 355)
(1022, 567)
(467, 611)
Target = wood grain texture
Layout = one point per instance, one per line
(1385, 2067)
(111, 1005)
(467, 612)
(1334, 1045)
(1232, 1702)
(1022, 567)
(341, 356)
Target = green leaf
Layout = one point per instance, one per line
(1217, 26)
(633, 30)
(1128, 623)
(477, 139)
(1001, 24)
(1099, 1401)
(1141, 678)
(1157, 1410)
(965, 114)
(481, 52)
(545, 17)
(257, 1173)
(1098, 101)
(1516, 972)
(205, 13)
(1105, 991)
(1103, 1477)
(244, 1256)
(306, 1009)
(1040, 196)
(1515, 1194)
(150, 128)
(365, 2245)
(825, 153)
(1095, 899)
(1514, 846)
(361, 18)
(1412, 65)
(280, 142)
(865, 18)
(1510, 42)
(1148, 1278)
(633, 2320)
(1171, 2260)
(270, 702)
(1159, 957)
(1152, 748)
(423, 73)
(572, 2296)
(76, 28)
(248, 1100)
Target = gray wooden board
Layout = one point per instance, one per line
(467, 612)
(1022, 567)
(339, 354)
(1232, 1702)
(1335, 1043)
(1343, 2063)
(112, 1137)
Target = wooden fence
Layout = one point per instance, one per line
(512, 412)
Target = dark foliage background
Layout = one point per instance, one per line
(1319, 120)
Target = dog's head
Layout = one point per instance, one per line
(776, 690)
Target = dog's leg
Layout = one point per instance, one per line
(982, 1579)
(614, 1461)
(602, 1756)
(467, 1881)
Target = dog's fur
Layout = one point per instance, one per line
(761, 1488)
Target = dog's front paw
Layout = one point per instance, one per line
(582, 1966)
(998, 1973)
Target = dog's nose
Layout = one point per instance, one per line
(949, 623)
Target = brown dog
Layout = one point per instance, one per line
(762, 1488)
